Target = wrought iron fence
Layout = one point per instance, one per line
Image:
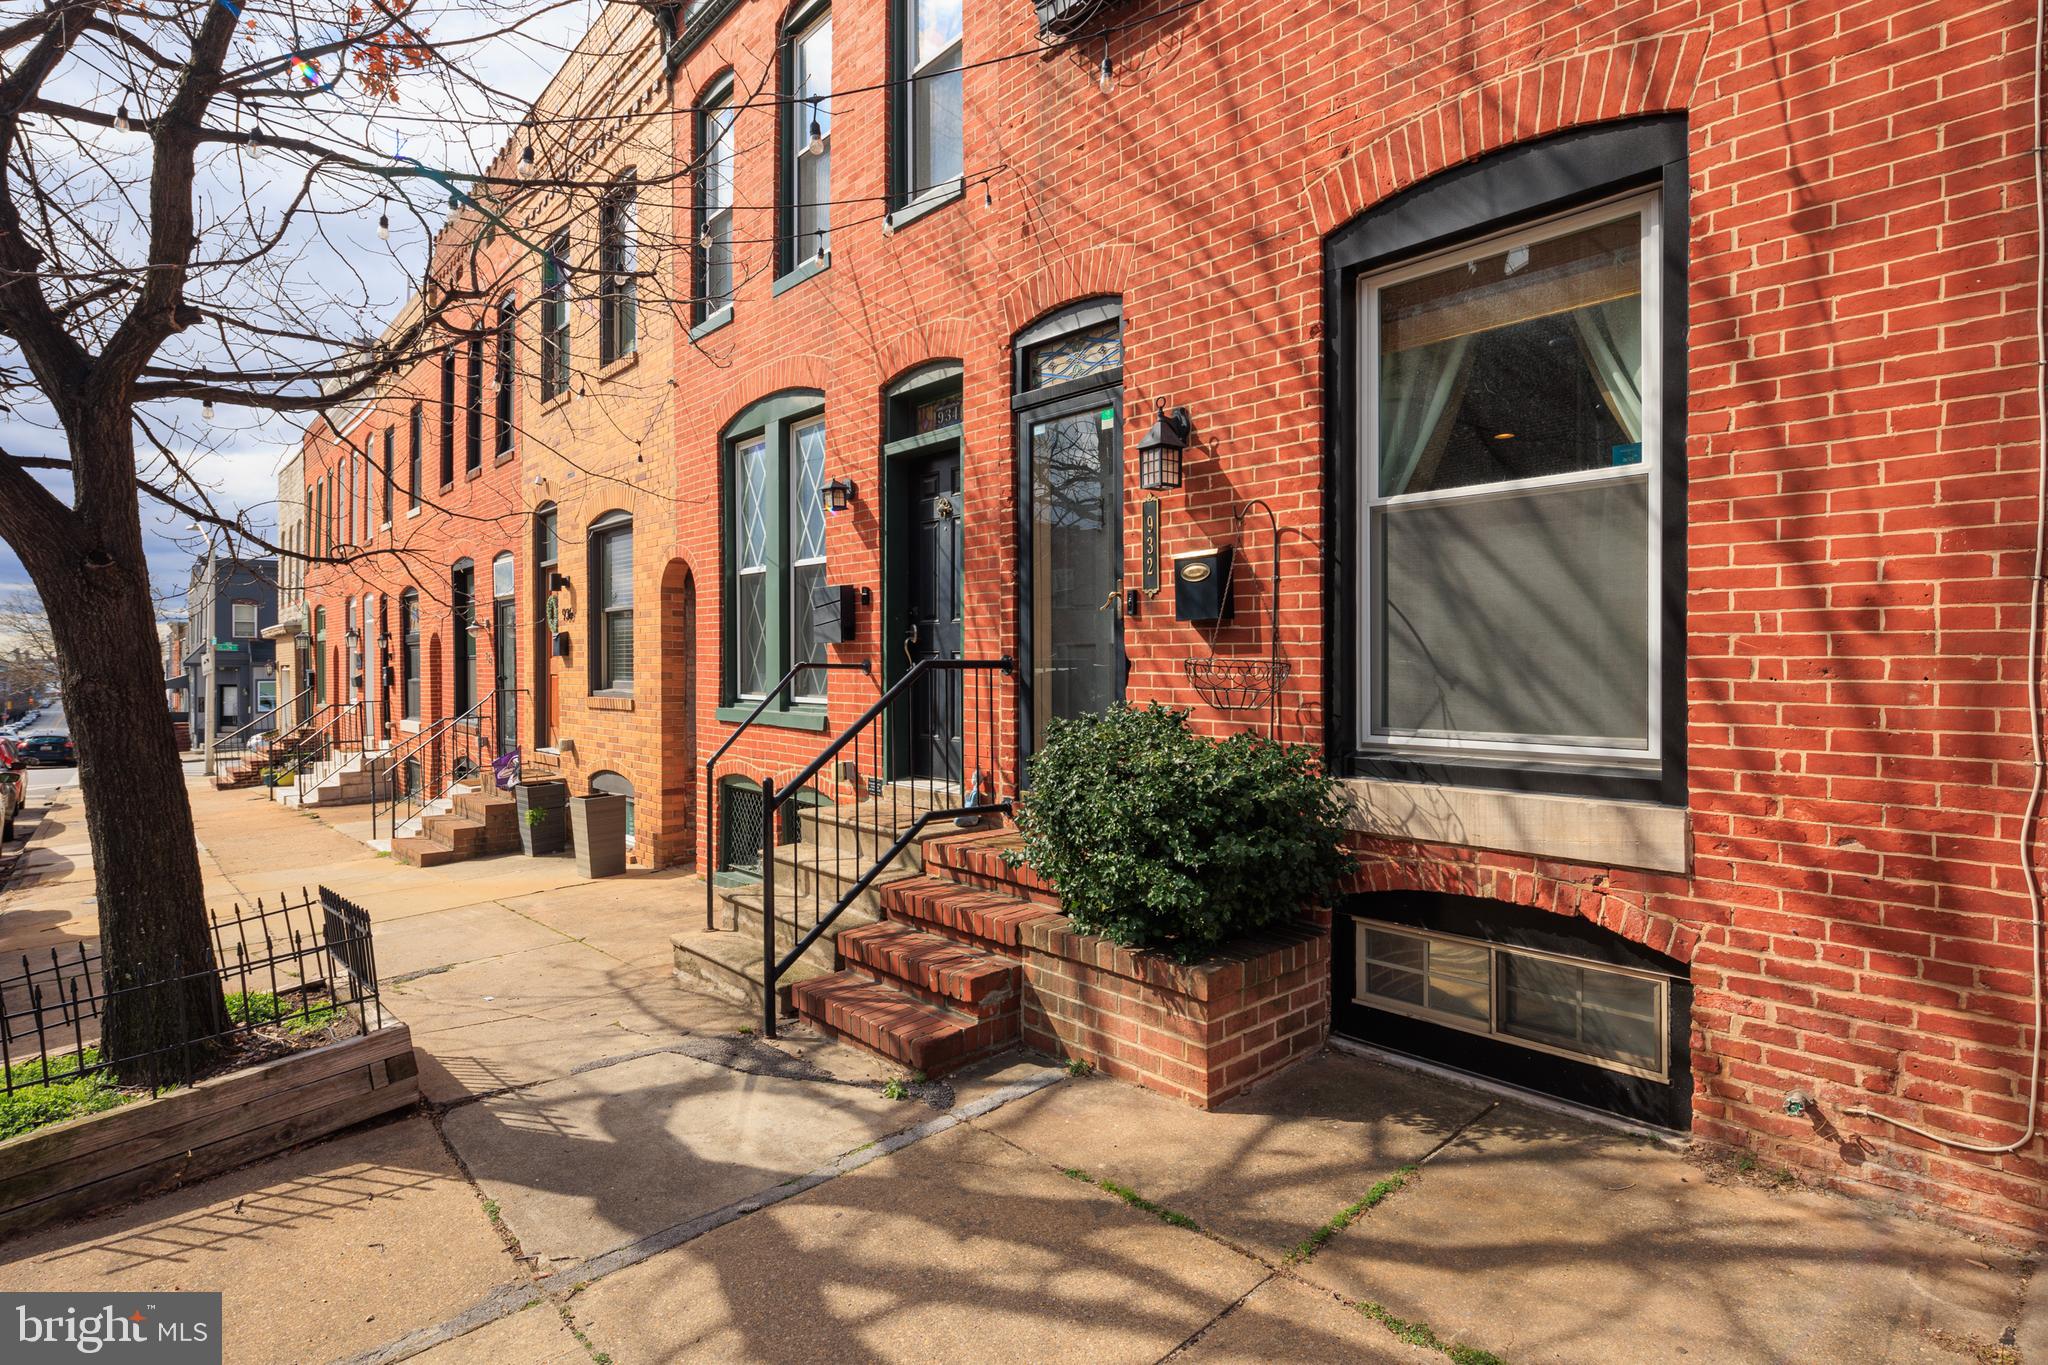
(294, 967)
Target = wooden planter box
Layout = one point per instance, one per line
(88, 1163)
(1200, 1033)
(597, 826)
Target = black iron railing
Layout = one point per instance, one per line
(301, 751)
(294, 968)
(925, 751)
(252, 741)
(714, 854)
(425, 767)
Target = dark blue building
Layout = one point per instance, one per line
(228, 604)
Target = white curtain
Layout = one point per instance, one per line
(1417, 386)
(1612, 333)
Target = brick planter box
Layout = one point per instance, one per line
(1199, 1033)
(72, 1168)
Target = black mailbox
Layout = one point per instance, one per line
(832, 612)
(1201, 585)
(562, 644)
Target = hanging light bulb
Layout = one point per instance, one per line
(206, 408)
(817, 129)
(121, 122)
(1105, 75)
(526, 157)
(383, 219)
(988, 196)
(888, 225)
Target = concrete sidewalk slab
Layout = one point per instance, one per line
(596, 1160)
(318, 1253)
(1544, 1238)
(1269, 1167)
(465, 934)
(513, 1050)
(535, 1335)
(1283, 1320)
(631, 918)
(956, 1248)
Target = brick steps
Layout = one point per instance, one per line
(987, 919)
(479, 825)
(913, 1032)
(936, 970)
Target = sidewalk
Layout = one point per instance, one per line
(613, 1168)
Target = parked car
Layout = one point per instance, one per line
(47, 750)
(13, 788)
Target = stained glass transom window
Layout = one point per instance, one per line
(1078, 355)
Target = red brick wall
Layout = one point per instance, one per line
(1200, 1034)
(1859, 464)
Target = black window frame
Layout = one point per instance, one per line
(390, 479)
(794, 131)
(717, 98)
(618, 297)
(447, 417)
(1508, 188)
(903, 191)
(409, 654)
(506, 337)
(462, 612)
(416, 439)
(604, 681)
(473, 405)
(554, 317)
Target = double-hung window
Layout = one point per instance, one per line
(501, 408)
(415, 434)
(447, 416)
(775, 552)
(409, 652)
(245, 620)
(473, 404)
(1511, 473)
(928, 146)
(618, 288)
(611, 576)
(554, 318)
(807, 140)
(715, 117)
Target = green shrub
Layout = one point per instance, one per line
(1156, 837)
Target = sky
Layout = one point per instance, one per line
(343, 281)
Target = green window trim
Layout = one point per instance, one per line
(771, 420)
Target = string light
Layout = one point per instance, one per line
(206, 408)
(888, 225)
(988, 196)
(817, 129)
(526, 157)
(121, 123)
(383, 219)
(1105, 75)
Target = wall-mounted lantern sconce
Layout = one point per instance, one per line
(476, 627)
(838, 495)
(352, 635)
(1159, 454)
(557, 581)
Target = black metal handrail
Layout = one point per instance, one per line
(449, 751)
(329, 727)
(711, 868)
(235, 746)
(938, 686)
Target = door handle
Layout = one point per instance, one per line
(1113, 602)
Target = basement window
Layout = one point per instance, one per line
(1609, 1016)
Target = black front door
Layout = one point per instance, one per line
(931, 596)
(503, 673)
(1073, 563)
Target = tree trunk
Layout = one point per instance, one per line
(155, 941)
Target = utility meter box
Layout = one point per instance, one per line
(1201, 581)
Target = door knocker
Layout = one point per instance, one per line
(943, 507)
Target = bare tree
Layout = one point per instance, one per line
(171, 177)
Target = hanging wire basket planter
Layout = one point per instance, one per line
(1236, 684)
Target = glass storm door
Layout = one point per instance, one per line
(504, 674)
(1076, 560)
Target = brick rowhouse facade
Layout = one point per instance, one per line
(1832, 865)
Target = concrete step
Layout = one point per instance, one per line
(991, 920)
(912, 1032)
(939, 971)
(729, 966)
(741, 908)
